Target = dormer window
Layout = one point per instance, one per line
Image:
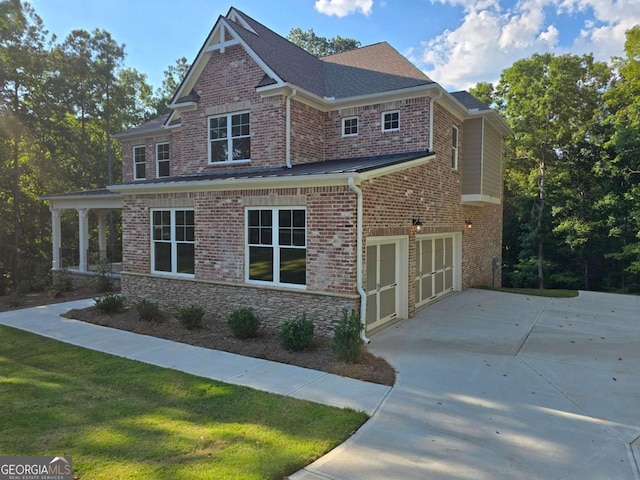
(391, 121)
(350, 127)
(230, 138)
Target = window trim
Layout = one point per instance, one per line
(275, 244)
(173, 242)
(135, 164)
(455, 149)
(389, 112)
(344, 127)
(229, 117)
(168, 160)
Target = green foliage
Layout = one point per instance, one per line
(60, 283)
(148, 311)
(296, 335)
(321, 46)
(102, 282)
(15, 298)
(244, 323)
(190, 317)
(346, 343)
(110, 303)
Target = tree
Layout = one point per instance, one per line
(173, 76)
(321, 46)
(553, 104)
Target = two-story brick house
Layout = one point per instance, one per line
(295, 185)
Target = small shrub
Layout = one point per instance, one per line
(60, 283)
(102, 282)
(148, 311)
(190, 317)
(346, 343)
(244, 323)
(296, 335)
(110, 303)
(15, 298)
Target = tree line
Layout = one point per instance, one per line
(572, 165)
(572, 170)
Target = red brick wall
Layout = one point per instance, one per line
(307, 133)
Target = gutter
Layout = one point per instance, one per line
(363, 294)
(287, 158)
(431, 105)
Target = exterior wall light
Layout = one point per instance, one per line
(468, 224)
(418, 224)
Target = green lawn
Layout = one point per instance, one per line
(127, 420)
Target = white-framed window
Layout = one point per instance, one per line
(276, 250)
(230, 138)
(454, 147)
(162, 160)
(391, 121)
(350, 127)
(173, 242)
(139, 163)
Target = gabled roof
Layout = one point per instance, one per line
(469, 101)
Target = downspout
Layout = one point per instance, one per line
(363, 294)
(431, 105)
(287, 158)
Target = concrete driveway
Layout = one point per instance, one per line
(501, 386)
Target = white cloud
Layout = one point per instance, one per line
(490, 37)
(342, 8)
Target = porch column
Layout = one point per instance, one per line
(83, 230)
(102, 234)
(56, 241)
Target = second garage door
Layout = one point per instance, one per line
(436, 258)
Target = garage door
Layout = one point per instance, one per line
(385, 289)
(435, 267)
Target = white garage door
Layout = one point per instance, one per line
(435, 267)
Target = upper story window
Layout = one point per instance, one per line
(391, 121)
(139, 163)
(229, 138)
(454, 147)
(277, 246)
(350, 127)
(162, 160)
(173, 242)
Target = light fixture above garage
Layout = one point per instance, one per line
(416, 222)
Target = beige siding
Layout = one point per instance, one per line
(492, 169)
(472, 161)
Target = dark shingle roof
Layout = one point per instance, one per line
(333, 76)
(147, 127)
(469, 101)
(328, 167)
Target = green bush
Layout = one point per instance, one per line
(102, 282)
(110, 303)
(296, 335)
(190, 317)
(148, 311)
(244, 323)
(60, 283)
(15, 298)
(346, 343)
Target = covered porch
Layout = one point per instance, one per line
(81, 258)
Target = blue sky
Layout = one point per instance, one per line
(456, 42)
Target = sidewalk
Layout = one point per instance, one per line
(289, 380)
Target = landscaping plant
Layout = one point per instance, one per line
(190, 317)
(148, 311)
(244, 323)
(296, 335)
(110, 303)
(346, 343)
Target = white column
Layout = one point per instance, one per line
(56, 241)
(83, 230)
(102, 234)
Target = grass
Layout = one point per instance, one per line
(537, 292)
(123, 419)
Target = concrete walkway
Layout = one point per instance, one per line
(501, 386)
(302, 383)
